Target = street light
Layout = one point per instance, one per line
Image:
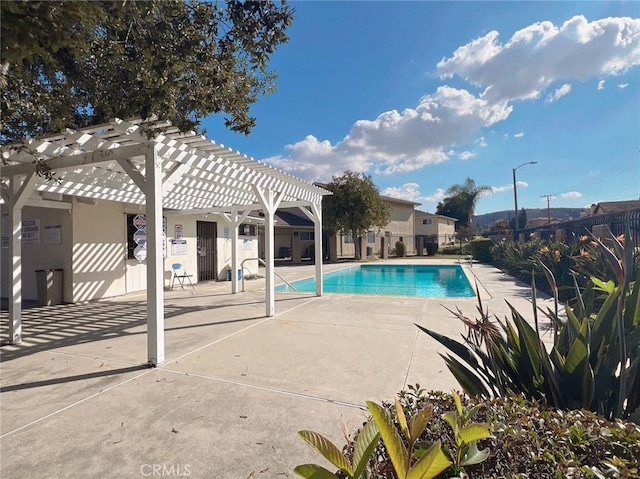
(515, 198)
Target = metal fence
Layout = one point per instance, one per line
(575, 228)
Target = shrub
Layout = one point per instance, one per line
(481, 249)
(595, 360)
(432, 248)
(400, 249)
(528, 439)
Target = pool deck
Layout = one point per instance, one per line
(77, 400)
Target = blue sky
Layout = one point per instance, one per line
(421, 95)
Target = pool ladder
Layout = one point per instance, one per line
(265, 265)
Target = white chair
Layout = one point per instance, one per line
(180, 274)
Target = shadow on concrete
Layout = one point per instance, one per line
(78, 377)
(51, 327)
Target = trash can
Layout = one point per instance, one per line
(49, 286)
(229, 275)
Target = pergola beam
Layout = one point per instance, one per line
(93, 157)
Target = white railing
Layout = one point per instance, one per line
(265, 265)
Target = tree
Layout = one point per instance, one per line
(522, 220)
(354, 207)
(67, 64)
(464, 197)
(453, 208)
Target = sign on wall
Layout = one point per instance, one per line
(177, 231)
(5, 230)
(140, 237)
(31, 232)
(53, 234)
(178, 247)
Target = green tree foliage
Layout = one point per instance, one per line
(355, 207)
(68, 64)
(522, 220)
(461, 201)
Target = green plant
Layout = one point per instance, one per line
(481, 249)
(432, 248)
(400, 249)
(466, 435)
(365, 445)
(528, 439)
(429, 464)
(595, 360)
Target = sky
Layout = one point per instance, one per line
(422, 95)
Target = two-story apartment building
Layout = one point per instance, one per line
(432, 228)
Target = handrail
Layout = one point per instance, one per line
(260, 260)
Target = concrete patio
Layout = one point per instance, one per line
(78, 401)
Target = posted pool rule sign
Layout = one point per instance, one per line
(140, 237)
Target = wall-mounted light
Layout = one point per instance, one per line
(247, 230)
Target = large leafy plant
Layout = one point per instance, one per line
(409, 461)
(595, 360)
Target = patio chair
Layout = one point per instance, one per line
(180, 274)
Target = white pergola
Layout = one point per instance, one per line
(155, 165)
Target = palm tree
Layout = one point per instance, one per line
(467, 195)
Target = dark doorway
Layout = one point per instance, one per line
(207, 261)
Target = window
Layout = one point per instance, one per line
(347, 237)
(426, 221)
(371, 237)
(306, 235)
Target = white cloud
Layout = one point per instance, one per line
(505, 136)
(559, 93)
(601, 85)
(397, 141)
(465, 155)
(543, 53)
(622, 86)
(436, 196)
(571, 194)
(411, 192)
(481, 142)
(532, 60)
(519, 135)
(500, 189)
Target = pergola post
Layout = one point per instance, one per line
(269, 204)
(236, 219)
(19, 191)
(155, 279)
(315, 215)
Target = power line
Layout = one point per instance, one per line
(549, 198)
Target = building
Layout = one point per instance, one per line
(381, 242)
(432, 228)
(605, 207)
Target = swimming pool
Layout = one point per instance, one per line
(445, 281)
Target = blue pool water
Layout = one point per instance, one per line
(394, 280)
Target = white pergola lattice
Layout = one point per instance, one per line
(155, 165)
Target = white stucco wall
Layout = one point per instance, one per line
(41, 256)
(99, 251)
(93, 252)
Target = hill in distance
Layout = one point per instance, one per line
(561, 214)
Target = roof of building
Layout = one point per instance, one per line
(616, 206)
(391, 199)
(425, 213)
(291, 218)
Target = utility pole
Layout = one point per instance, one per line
(549, 198)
